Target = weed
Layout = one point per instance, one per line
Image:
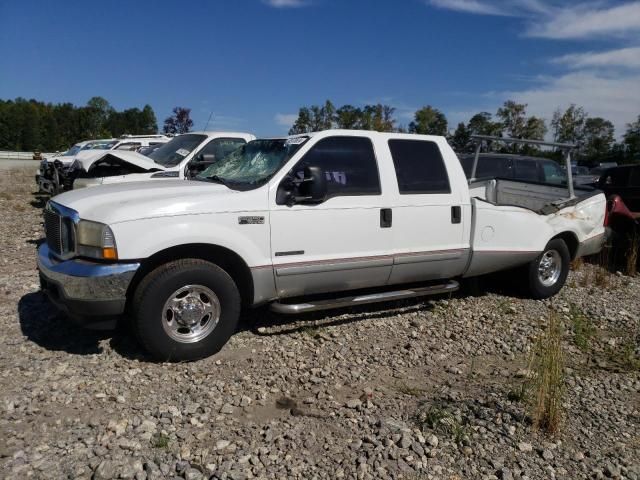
(583, 328)
(439, 419)
(433, 417)
(160, 440)
(602, 278)
(631, 267)
(547, 384)
(577, 264)
(625, 356)
(520, 393)
(409, 390)
(505, 307)
(310, 330)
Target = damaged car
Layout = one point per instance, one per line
(53, 175)
(183, 157)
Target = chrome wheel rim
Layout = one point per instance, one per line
(191, 313)
(549, 268)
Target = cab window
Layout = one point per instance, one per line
(349, 164)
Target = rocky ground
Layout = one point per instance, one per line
(416, 390)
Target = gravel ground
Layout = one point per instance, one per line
(417, 390)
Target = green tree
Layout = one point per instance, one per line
(429, 121)
(348, 117)
(599, 137)
(513, 117)
(179, 121)
(378, 117)
(568, 126)
(631, 141)
(461, 139)
(482, 124)
(302, 123)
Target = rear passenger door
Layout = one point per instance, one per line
(341, 243)
(428, 215)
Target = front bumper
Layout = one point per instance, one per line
(92, 293)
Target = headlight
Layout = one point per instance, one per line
(96, 240)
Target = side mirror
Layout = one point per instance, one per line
(311, 189)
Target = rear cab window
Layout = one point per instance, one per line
(419, 167)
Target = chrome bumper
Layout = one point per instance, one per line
(83, 288)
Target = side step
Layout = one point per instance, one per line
(326, 304)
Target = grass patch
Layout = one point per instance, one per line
(583, 328)
(625, 356)
(406, 389)
(505, 307)
(160, 441)
(441, 420)
(547, 384)
(519, 393)
(310, 330)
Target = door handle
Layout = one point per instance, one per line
(386, 217)
(456, 214)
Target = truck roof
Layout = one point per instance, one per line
(346, 132)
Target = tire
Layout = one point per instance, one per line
(175, 308)
(546, 284)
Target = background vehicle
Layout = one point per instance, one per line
(53, 172)
(183, 157)
(308, 222)
(516, 167)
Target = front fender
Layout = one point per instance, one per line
(141, 239)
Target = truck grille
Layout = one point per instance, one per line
(59, 232)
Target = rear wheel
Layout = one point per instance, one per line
(548, 272)
(185, 310)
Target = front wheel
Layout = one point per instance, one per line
(185, 310)
(548, 272)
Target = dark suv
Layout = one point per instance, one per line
(515, 167)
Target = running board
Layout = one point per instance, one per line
(326, 304)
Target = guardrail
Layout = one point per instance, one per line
(21, 155)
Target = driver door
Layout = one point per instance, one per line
(340, 243)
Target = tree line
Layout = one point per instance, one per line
(594, 136)
(30, 125)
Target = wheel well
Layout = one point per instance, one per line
(226, 259)
(572, 242)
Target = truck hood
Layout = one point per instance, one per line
(124, 202)
(89, 157)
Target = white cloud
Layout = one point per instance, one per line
(588, 21)
(555, 20)
(285, 119)
(286, 3)
(622, 57)
(470, 6)
(614, 97)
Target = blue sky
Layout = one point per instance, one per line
(255, 62)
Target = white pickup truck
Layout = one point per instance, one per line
(302, 223)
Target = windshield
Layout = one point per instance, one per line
(173, 152)
(253, 164)
(100, 145)
(72, 151)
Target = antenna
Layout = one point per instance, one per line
(207, 124)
